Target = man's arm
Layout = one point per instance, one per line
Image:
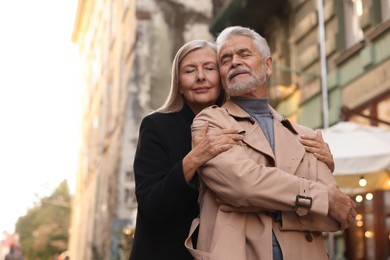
(241, 182)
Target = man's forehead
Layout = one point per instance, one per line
(235, 43)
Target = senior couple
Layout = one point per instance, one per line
(252, 185)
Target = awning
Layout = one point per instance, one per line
(359, 151)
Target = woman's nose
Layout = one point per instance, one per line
(200, 75)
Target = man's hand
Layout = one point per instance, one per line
(341, 207)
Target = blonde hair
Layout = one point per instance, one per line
(175, 100)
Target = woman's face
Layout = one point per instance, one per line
(199, 81)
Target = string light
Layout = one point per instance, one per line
(369, 196)
(369, 234)
(359, 220)
(362, 182)
(388, 177)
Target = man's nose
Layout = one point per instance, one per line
(236, 61)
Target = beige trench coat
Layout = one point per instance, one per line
(240, 187)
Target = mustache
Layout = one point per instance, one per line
(238, 70)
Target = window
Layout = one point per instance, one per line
(385, 10)
(353, 10)
(126, 4)
(113, 22)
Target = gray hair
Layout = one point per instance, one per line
(175, 100)
(258, 40)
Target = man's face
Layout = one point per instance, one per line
(241, 66)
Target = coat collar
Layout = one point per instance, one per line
(237, 112)
(288, 150)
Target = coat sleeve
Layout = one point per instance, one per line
(160, 184)
(318, 171)
(313, 221)
(241, 182)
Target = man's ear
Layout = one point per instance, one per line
(268, 65)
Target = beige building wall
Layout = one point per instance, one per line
(126, 50)
(104, 31)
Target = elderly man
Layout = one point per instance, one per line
(266, 198)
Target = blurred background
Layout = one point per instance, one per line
(78, 76)
(40, 110)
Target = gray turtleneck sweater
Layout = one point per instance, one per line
(258, 109)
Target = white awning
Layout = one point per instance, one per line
(359, 150)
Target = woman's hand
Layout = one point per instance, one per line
(206, 146)
(315, 144)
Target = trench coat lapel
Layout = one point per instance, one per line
(254, 136)
(256, 139)
(288, 150)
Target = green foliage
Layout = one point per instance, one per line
(43, 231)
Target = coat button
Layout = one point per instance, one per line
(309, 237)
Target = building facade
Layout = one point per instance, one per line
(356, 51)
(126, 49)
(105, 32)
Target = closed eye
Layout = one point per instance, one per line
(244, 53)
(225, 59)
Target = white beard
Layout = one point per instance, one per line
(241, 87)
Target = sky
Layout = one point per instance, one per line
(40, 103)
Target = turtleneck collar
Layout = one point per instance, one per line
(252, 105)
(188, 113)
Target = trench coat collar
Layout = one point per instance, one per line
(236, 111)
(288, 150)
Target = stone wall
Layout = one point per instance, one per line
(173, 22)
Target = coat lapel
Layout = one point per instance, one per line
(256, 139)
(254, 136)
(288, 150)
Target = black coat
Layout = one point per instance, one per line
(166, 203)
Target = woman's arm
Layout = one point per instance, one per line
(315, 144)
(206, 146)
(161, 182)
